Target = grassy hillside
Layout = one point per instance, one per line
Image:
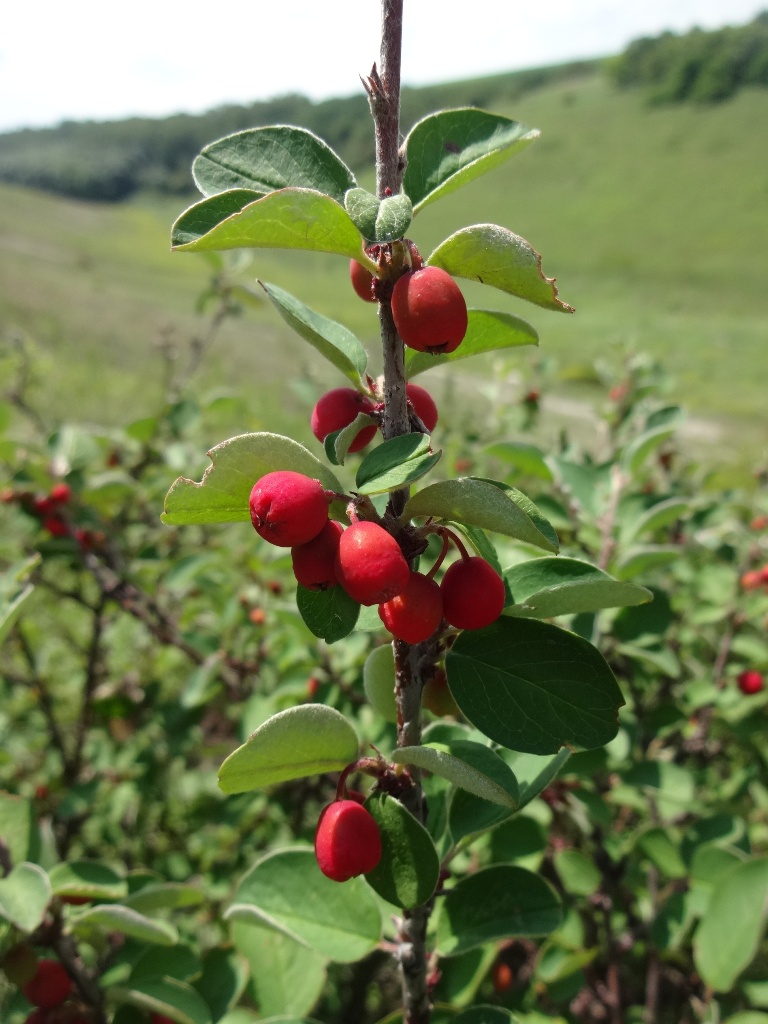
(654, 220)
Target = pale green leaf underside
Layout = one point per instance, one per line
(24, 896)
(293, 218)
(446, 761)
(331, 339)
(287, 891)
(546, 587)
(222, 495)
(87, 879)
(114, 917)
(269, 158)
(452, 147)
(495, 256)
(487, 331)
(309, 739)
(166, 996)
(482, 504)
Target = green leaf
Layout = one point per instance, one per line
(546, 587)
(662, 514)
(332, 340)
(577, 872)
(88, 879)
(330, 614)
(113, 917)
(484, 1015)
(748, 1017)
(393, 219)
(166, 996)
(266, 159)
(198, 220)
(452, 147)
(533, 687)
(496, 903)
(222, 980)
(487, 331)
(363, 208)
(481, 503)
(396, 463)
(638, 450)
(179, 962)
(24, 896)
(729, 934)
(308, 739)
(638, 560)
(379, 681)
(293, 218)
(222, 495)
(495, 256)
(471, 766)
(526, 458)
(287, 977)
(165, 895)
(407, 873)
(287, 891)
(18, 827)
(534, 772)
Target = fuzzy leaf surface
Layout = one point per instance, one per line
(483, 504)
(330, 614)
(471, 766)
(222, 495)
(396, 463)
(545, 587)
(309, 739)
(452, 147)
(533, 687)
(270, 158)
(293, 218)
(114, 917)
(407, 873)
(24, 896)
(287, 890)
(487, 331)
(332, 340)
(496, 903)
(496, 256)
(89, 879)
(203, 216)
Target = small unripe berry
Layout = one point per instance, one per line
(423, 405)
(336, 410)
(473, 594)
(19, 964)
(49, 986)
(437, 697)
(750, 682)
(370, 565)
(429, 310)
(415, 614)
(314, 563)
(362, 281)
(288, 508)
(347, 841)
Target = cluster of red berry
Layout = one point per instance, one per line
(289, 509)
(755, 579)
(50, 510)
(45, 984)
(340, 407)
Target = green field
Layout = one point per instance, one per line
(653, 220)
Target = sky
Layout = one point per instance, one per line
(91, 60)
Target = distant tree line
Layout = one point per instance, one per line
(705, 67)
(110, 161)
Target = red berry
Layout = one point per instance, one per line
(55, 526)
(313, 685)
(759, 523)
(750, 682)
(60, 493)
(429, 310)
(336, 410)
(288, 508)
(347, 841)
(752, 580)
(37, 1017)
(503, 977)
(764, 574)
(50, 985)
(370, 565)
(160, 1018)
(423, 405)
(257, 616)
(473, 594)
(362, 281)
(314, 563)
(415, 614)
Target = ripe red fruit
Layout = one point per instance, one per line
(288, 508)
(503, 977)
(750, 682)
(429, 310)
(60, 493)
(752, 580)
(347, 841)
(370, 565)
(49, 986)
(314, 563)
(423, 405)
(473, 594)
(415, 614)
(362, 281)
(55, 526)
(336, 410)
(759, 523)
